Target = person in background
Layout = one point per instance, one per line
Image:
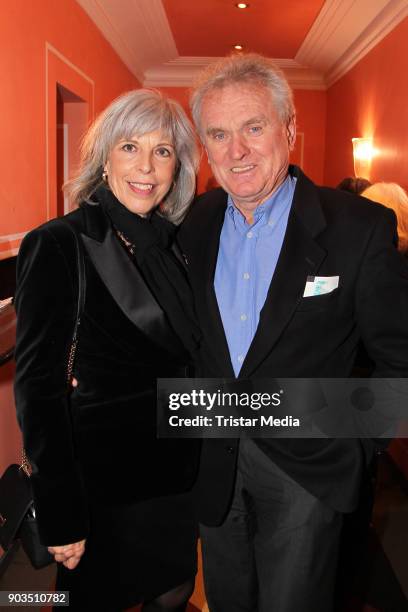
(259, 251)
(113, 501)
(395, 197)
(353, 184)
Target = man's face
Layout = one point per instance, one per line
(246, 142)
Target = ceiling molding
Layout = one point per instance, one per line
(183, 71)
(384, 23)
(343, 32)
(320, 36)
(137, 30)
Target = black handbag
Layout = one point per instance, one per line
(17, 515)
(17, 512)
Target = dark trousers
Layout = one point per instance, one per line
(277, 549)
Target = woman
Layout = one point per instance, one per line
(112, 501)
(395, 197)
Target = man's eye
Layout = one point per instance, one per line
(255, 129)
(219, 136)
(128, 147)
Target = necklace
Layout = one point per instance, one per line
(128, 245)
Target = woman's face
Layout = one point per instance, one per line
(141, 171)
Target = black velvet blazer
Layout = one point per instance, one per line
(98, 444)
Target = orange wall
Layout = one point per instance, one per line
(10, 438)
(25, 28)
(311, 119)
(371, 100)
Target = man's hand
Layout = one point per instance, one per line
(69, 555)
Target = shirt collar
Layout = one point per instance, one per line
(271, 207)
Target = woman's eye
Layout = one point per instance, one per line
(128, 147)
(163, 152)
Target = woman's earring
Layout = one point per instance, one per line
(105, 176)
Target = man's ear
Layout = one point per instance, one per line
(291, 132)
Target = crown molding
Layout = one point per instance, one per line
(324, 29)
(137, 30)
(383, 24)
(345, 31)
(184, 70)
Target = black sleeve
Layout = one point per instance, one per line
(382, 300)
(46, 311)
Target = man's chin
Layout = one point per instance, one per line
(247, 198)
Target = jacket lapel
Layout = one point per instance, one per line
(210, 317)
(300, 257)
(124, 281)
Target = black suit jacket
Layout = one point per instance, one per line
(329, 233)
(99, 445)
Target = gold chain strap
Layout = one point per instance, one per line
(71, 358)
(25, 466)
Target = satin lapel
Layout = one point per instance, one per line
(300, 257)
(127, 287)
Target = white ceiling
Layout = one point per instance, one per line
(344, 31)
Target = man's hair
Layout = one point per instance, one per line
(249, 68)
(139, 112)
(393, 196)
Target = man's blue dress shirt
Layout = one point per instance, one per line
(247, 259)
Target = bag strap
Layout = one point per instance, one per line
(80, 298)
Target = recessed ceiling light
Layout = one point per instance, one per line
(242, 5)
(238, 47)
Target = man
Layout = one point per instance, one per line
(272, 509)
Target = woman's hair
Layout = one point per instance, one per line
(354, 184)
(139, 112)
(249, 68)
(395, 197)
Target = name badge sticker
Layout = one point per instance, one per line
(319, 285)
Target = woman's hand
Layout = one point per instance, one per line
(69, 555)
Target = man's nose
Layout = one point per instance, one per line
(238, 147)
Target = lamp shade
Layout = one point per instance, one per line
(362, 154)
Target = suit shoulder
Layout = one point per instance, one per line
(204, 209)
(336, 202)
(51, 238)
(73, 218)
(208, 203)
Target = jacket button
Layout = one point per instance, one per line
(230, 449)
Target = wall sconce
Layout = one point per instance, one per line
(363, 152)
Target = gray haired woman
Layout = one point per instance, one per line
(112, 501)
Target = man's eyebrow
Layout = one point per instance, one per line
(213, 130)
(260, 119)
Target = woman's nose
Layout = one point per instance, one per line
(144, 161)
